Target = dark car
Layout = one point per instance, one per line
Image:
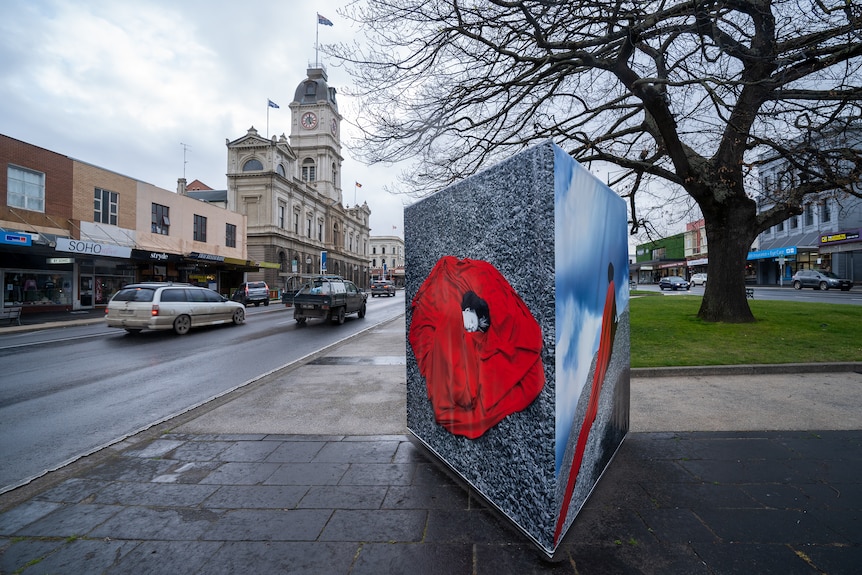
(820, 279)
(673, 283)
(382, 287)
(252, 292)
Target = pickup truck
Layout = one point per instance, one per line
(327, 297)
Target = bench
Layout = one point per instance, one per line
(749, 293)
(12, 313)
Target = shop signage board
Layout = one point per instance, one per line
(16, 239)
(518, 335)
(93, 248)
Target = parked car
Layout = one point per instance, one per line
(698, 280)
(382, 288)
(819, 279)
(673, 283)
(252, 292)
(167, 305)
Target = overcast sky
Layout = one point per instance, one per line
(123, 85)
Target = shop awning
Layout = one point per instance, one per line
(803, 242)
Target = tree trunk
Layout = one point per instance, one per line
(730, 230)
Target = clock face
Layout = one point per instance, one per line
(308, 121)
(334, 126)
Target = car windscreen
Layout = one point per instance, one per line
(135, 294)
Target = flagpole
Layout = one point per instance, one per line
(267, 119)
(317, 42)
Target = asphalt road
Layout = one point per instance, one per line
(68, 392)
(786, 293)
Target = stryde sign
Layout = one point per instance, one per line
(92, 248)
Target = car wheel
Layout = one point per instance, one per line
(182, 325)
(797, 284)
(132, 331)
(265, 302)
(824, 286)
(238, 316)
(361, 313)
(339, 316)
(257, 304)
(300, 320)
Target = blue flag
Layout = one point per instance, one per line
(272, 104)
(324, 20)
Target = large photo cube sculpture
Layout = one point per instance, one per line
(518, 335)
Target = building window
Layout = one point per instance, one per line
(374, 262)
(383, 250)
(281, 216)
(200, 228)
(280, 170)
(779, 227)
(373, 249)
(825, 212)
(105, 207)
(320, 231)
(25, 189)
(308, 226)
(252, 166)
(794, 222)
(809, 214)
(309, 170)
(296, 222)
(230, 235)
(161, 221)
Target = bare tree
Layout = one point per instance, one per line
(682, 94)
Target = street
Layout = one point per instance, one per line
(786, 293)
(68, 392)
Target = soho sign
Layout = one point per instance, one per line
(92, 248)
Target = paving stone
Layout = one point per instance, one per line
(744, 558)
(268, 525)
(379, 474)
(71, 556)
(165, 557)
(357, 452)
(295, 451)
(405, 558)
(308, 474)
(249, 451)
(157, 524)
(426, 497)
(73, 491)
(200, 450)
(344, 497)
(241, 473)
(472, 526)
(70, 520)
(28, 512)
(155, 449)
(256, 497)
(270, 557)
(389, 525)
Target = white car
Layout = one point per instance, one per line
(176, 306)
(698, 280)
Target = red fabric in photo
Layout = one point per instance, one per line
(474, 379)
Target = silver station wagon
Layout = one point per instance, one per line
(175, 306)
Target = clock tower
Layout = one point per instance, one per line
(315, 134)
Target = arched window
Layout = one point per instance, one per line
(309, 170)
(252, 165)
(280, 170)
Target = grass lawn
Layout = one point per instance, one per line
(665, 331)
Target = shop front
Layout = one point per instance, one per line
(32, 275)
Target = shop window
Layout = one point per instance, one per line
(25, 189)
(105, 207)
(161, 222)
(200, 229)
(37, 287)
(230, 235)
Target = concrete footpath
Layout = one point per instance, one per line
(309, 470)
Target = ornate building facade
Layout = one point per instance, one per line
(290, 191)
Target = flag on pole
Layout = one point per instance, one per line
(323, 20)
(358, 185)
(272, 104)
